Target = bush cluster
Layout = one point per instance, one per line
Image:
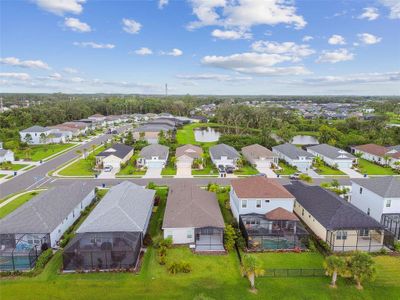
(179, 267)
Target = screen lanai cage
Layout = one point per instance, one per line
(20, 251)
(102, 251)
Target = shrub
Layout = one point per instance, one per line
(177, 267)
(151, 185)
(167, 243)
(66, 238)
(147, 241)
(311, 246)
(396, 246)
(229, 237)
(305, 177)
(157, 200)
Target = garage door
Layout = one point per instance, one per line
(183, 164)
(263, 163)
(154, 164)
(344, 165)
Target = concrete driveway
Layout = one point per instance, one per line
(109, 175)
(352, 173)
(266, 170)
(183, 171)
(313, 174)
(153, 172)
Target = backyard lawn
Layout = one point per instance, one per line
(286, 169)
(40, 152)
(305, 260)
(12, 167)
(17, 202)
(367, 167)
(327, 170)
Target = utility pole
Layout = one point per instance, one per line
(166, 90)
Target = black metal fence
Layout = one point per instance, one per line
(294, 273)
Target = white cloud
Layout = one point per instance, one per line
(173, 52)
(60, 7)
(93, 45)
(335, 56)
(144, 51)
(75, 25)
(17, 76)
(355, 78)
(70, 70)
(254, 63)
(131, 26)
(368, 39)
(230, 34)
(55, 76)
(336, 40)
(369, 13)
(394, 6)
(307, 38)
(244, 13)
(212, 76)
(287, 48)
(32, 64)
(162, 3)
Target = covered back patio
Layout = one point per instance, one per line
(209, 239)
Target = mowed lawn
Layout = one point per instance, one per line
(40, 152)
(286, 169)
(367, 167)
(17, 202)
(12, 167)
(327, 170)
(83, 166)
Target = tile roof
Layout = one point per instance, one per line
(281, 214)
(189, 150)
(292, 151)
(387, 187)
(331, 152)
(191, 206)
(259, 187)
(333, 212)
(125, 208)
(118, 150)
(44, 212)
(224, 150)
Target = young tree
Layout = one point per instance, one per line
(42, 138)
(229, 237)
(28, 138)
(251, 269)
(361, 267)
(334, 266)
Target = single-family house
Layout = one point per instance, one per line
(185, 155)
(264, 210)
(332, 156)
(6, 155)
(335, 221)
(294, 156)
(153, 156)
(114, 156)
(98, 120)
(70, 131)
(151, 132)
(379, 197)
(81, 126)
(40, 223)
(35, 135)
(111, 237)
(259, 156)
(224, 155)
(378, 154)
(192, 216)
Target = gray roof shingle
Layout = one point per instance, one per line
(331, 152)
(118, 150)
(36, 128)
(125, 208)
(155, 150)
(224, 150)
(292, 151)
(44, 212)
(387, 187)
(333, 212)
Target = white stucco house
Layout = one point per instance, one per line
(5, 154)
(379, 154)
(47, 215)
(333, 156)
(294, 156)
(35, 135)
(258, 195)
(224, 155)
(114, 156)
(153, 156)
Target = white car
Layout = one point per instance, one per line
(107, 168)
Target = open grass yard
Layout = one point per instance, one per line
(131, 170)
(286, 169)
(2, 175)
(12, 166)
(209, 169)
(246, 170)
(276, 260)
(367, 167)
(17, 202)
(40, 152)
(327, 170)
(169, 170)
(83, 166)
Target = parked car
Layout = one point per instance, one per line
(295, 176)
(229, 169)
(107, 168)
(221, 169)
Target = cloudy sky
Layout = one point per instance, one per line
(201, 46)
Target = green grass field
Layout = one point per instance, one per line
(169, 170)
(131, 170)
(12, 167)
(286, 169)
(246, 170)
(40, 152)
(17, 202)
(367, 167)
(327, 170)
(83, 166)
(185, 135)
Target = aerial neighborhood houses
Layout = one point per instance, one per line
(224, 155)
(193, 217)
(114, 156)
(379, 197)
(332, 156)
(37, 135)
(294, 156)
(379, 154)
(112, 235)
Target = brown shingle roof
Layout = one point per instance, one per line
(189, 150)
(373, 149)
(190, 206)
(256, 151)
(259, 187)
(281, 214)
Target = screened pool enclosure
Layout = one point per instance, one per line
(100, 251)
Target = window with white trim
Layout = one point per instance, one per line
(244, 203)
(388, 203)
(341, 235)
(258, 204)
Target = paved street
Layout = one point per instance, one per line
(37, 176)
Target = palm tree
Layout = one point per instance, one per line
(387, 159)
(361, 267)
(205, 156)
(251, 269)
(334, 266)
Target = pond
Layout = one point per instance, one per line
(304, 140)
(206, 134)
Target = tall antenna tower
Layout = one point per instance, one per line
(166, 90)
